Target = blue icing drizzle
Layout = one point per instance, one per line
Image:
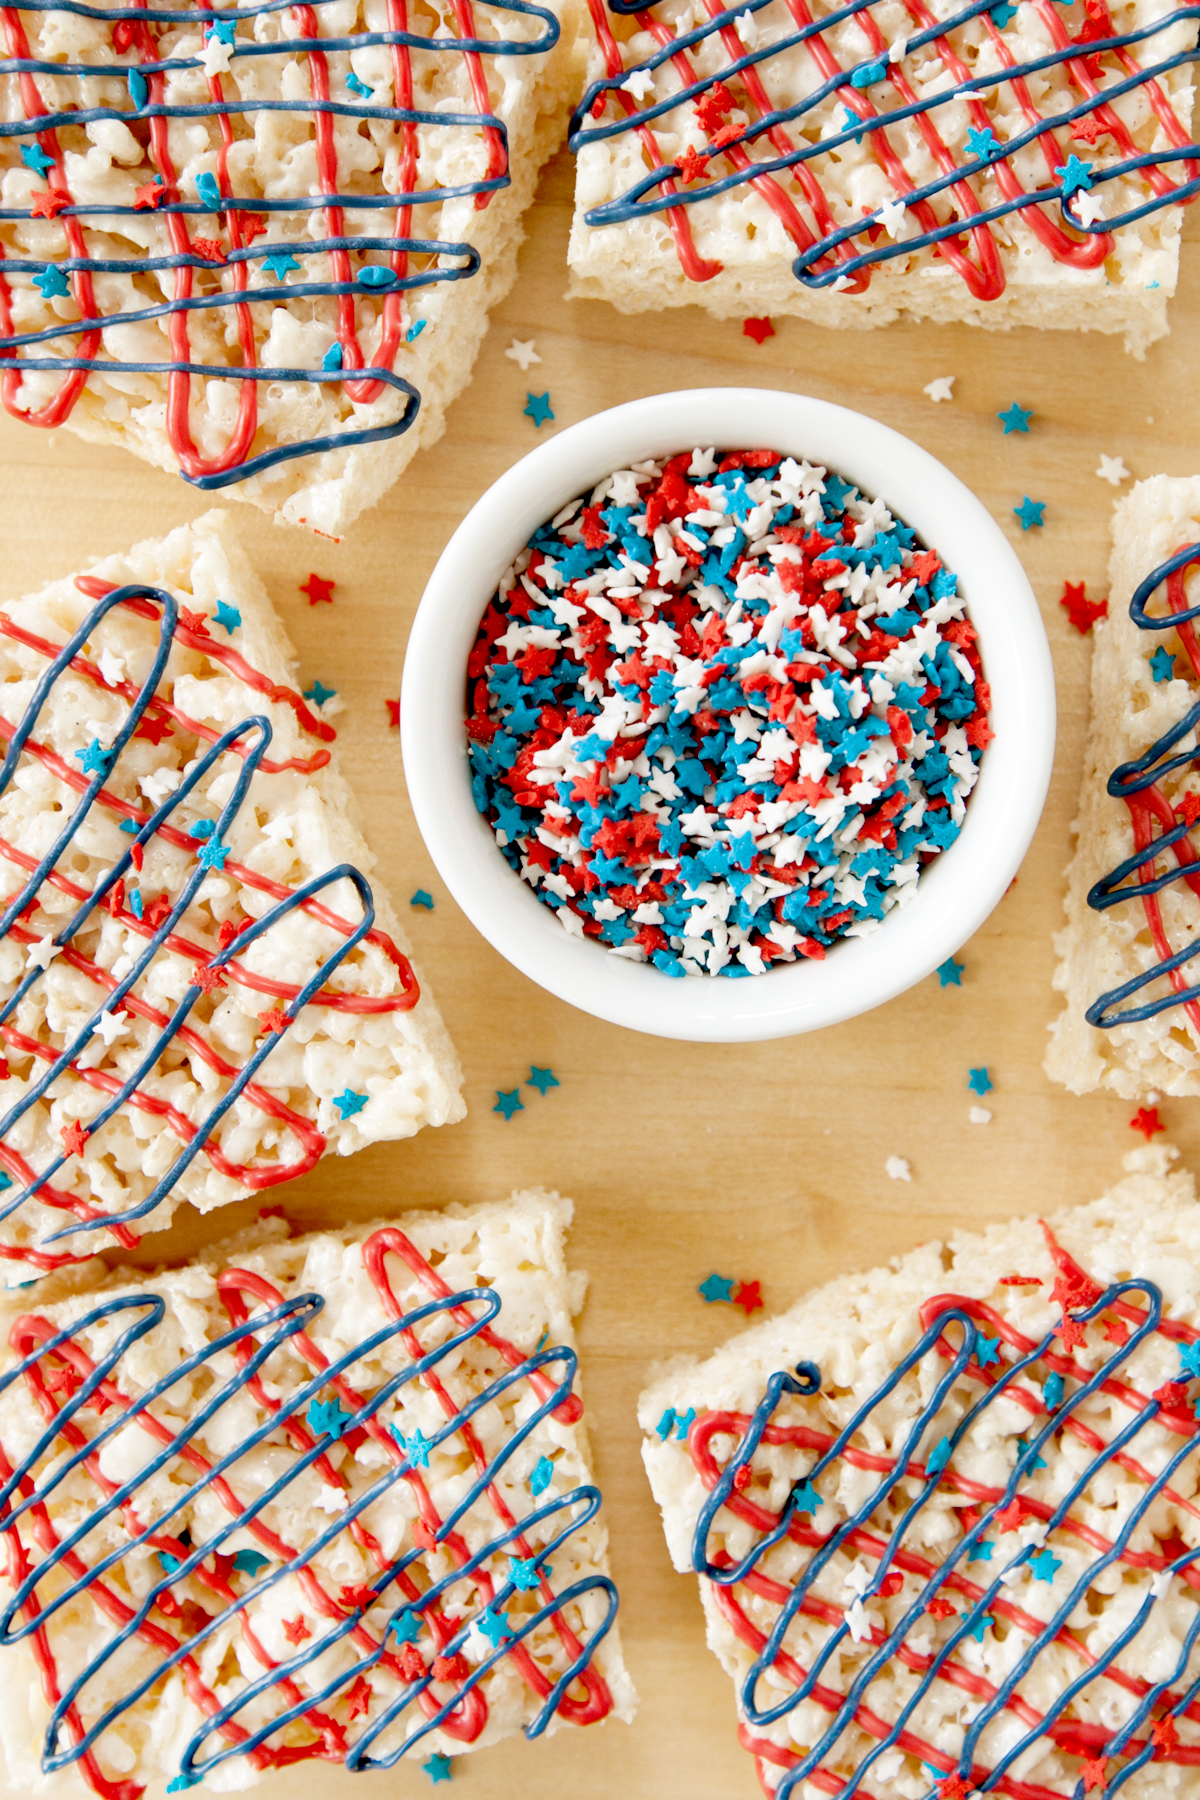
(644, 196)
(448, 261)
(472, 1311)
(1134, 778)
(905, 1466)
(258, 730)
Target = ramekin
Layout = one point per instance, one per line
(955, 893)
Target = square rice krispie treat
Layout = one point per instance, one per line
(856, 165)
(944, 1513)
(259, 245)
(323, 1498)
(199, 994)
(1130, 964)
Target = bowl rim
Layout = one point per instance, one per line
(956, 892)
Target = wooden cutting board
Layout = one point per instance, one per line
(759, 1162)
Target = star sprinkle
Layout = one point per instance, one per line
(227, 616)
(1162, 664)
(109, 1027)
(74, 1137)
(666, 1425)
(976, 1631)
(1003, 15)
(405, 1627)
(423, 900)
(1074, 175)
(979, 1081)
(893, 216)
(41, 954)
(1054, 1390)
(1189, 1358)
(523, 1573)
(1015, 419)
(250, 1562)
(95, 761)
(494, 1626)
(509, 1103)
(349, 1103)
(48, 203)
(1089, 208)
(748, 1295)
(522, 352)
(1188, 811)
(1044, 1566)
(417, 1448)
(542, 1476)
(51, 282)
(714, 1288)
(981, 1551)
(318, 693)
(987, 1351)
(639, 83)
(940, 389)
(537, 408)
(180, 1783)
(758, 329)
(393, 708)
(1030, 512)
(328, 1418)
(146, 198)
(359, 87)
(1081, 611)
(898, 1168)
(1112, 469)
(318, 590)
(274, 1019)
(139, 88)
(979, 1115)
(1094, 1772)
(437, 1768)
(983, 144)
(35, 158)
(332, 358)
(211, 855)
(949, 973)
(281, 264)
(542, 1079)
(938, 1457)
(805, 1497)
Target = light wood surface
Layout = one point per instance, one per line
(765, 1161)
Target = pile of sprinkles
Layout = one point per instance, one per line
(723, 710)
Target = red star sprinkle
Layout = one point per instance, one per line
(1094, 1773)
(1020, 1281)
(1074, 1291)
(74, 1138)
(1171, 1394)
(1070, 1331)
(253, 225)
(1147, 1121)
(595, 536)
(207, 978)
(748, 1295)
(423, 1537)
(223, 1566)
(354, 1597)
(741, 1479)
(925, 566)
(154, 730)
(295, 1631)
(1081, 611)
(941, 1609)
(358, 1698)
(195, 622)
(691, 164)
(758, 329)
(450, 1668)
(209, 249)
(1089, 129)
(1164, 1735)
(953, 1788)
(48, 204)
(1188, 810)
(1116, 1331)
(274, 1019)
(318, 590)
(412, 1663)
(148, 196)
(1009, 1517)
(393, 707)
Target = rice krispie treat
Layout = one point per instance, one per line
(1130, 964)
(325, 1498)
(944, 1513)
(199, 996)
(855, 165)
(234, 239)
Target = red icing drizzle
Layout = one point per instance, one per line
(241, 1290)
(1077, 1737)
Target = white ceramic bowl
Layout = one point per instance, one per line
(956, 892)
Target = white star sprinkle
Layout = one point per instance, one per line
(941, 389)
(1112, 469)
(112, 668)
(1160, 1586)
(898, 1168)
(41, 954)
(840, 285)
(747, 26)
(639, 83)
(898, 50)
(216, 57)
(858, 1579)
(109, 1027)
(860, 1625)
(893, 216)
(331, 1499)
(1090, 207)
(979, 1115)
(522, 353)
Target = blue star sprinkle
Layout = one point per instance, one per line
(684, 1424)
(1002, 16)
(139, 89)
(437, 1768)
(1054, 1390)
(35, 158)
(406, 1627)
(1015, 419)
(949, 973)
(716, 1287)
(537, 408)
(1038, 1462)
(93, 758)
(318, 693)
(1044, 1566)
(414, 331)
(376, 275)
(938, 1457)
(523, 1573)
(979, 1627)
(203, 828)
(348, 1103)
(987, 1351)
(416, 1448)
(852, 122)
(228, 616)
(666, 1425)
(869, 73)
(542, 1079)
(212, 854)
(281, 264)
(980, 1552)
(1030, 512)
(52, 283)
(983, 144)
(1162, 664)
(359, 87)
(332, 358)
(171, 1564)
(509, 1103)
(979, 1081)
(542, 1476)
(208, 191)
(1074, 175)
(1189, 1357)
(494, 1626)
(423, 900)
(183, 1781)
(223, 31)
(250, 1562)
(805, 1497)
(328, 1418)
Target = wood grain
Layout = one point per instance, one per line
(764, 1161)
